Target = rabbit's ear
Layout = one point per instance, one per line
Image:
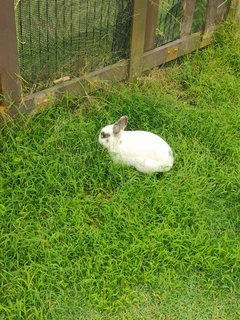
(120, 125)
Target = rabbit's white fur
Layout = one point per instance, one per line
(142, 150)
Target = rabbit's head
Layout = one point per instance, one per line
(110, 135)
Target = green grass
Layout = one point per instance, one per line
(83, 238)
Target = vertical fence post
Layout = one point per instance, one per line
(188, 12)
(137, 37)
(9, 66)
(211, 14)
(235, 9)
(151, 24)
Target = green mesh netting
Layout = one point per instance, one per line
(59, 38)
(171, 13)
(169, 19)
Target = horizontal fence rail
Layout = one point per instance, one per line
(56, 46)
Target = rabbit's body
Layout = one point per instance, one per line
(143, 150)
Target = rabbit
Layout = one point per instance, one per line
(143, 150)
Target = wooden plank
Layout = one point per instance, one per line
(9, 66)
(171, 51)
(211, 14)
(137, 38)
(158, 55)
(79, 86)
(190, 44)
(222, 11)
(188, 12)
(116, 72)
(235, 9)
(151, 24)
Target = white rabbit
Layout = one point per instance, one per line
(142, 150)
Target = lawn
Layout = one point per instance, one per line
(83, 238)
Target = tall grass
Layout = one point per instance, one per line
(83, 238)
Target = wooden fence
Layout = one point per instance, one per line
(144, 54)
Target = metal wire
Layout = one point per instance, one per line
(170, 17)
(59, 38)
(169, 20)
(199, 15)
(68, 37)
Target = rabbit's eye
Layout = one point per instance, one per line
(105, 135)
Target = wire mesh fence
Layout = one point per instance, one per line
(199, 15)
(169, 19)
(171, 14)
(59, 38)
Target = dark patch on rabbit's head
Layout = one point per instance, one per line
(105, 135)
(110, 135)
